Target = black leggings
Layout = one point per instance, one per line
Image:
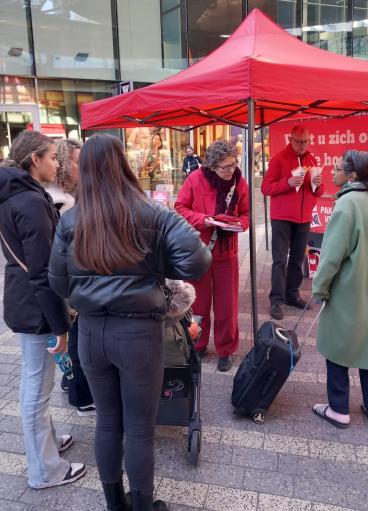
(123, 362)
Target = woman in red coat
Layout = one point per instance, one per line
(218, 192)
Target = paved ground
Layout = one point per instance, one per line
(294, 462)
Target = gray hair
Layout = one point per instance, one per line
(218, 151)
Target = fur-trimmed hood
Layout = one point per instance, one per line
(181, 301)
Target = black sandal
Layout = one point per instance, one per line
(320, 411)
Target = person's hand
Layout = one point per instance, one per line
(317, 180)
(295, 181)
(61, 345)
(208, 221)
(73, 314)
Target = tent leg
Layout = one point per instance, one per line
(252, 226)
(264, 197)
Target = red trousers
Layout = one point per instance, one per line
(219, 287)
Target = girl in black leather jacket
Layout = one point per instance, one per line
(110, 257)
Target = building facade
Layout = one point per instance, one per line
(57, 54)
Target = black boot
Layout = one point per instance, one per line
(159, 505)
(145, 504)
(115, 497)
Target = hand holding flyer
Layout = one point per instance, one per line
(315, 171)
(299, 172)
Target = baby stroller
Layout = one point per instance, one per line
(180, 395)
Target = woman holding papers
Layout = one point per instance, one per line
(215, 201)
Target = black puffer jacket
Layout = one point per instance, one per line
(27, 222)
(136, 291)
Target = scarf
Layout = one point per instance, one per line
(223, 187)
(355, 186)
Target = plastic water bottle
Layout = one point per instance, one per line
(62, 360)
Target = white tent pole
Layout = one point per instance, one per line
(252, 216)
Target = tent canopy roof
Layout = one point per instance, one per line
(260, 61)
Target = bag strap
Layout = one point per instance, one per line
(214, 236)
(18, 261)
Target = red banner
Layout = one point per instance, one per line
(329, 140)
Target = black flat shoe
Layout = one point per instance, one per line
(225, 363)
(276, 312)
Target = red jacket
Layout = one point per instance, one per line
(287, 203)
(197, 201)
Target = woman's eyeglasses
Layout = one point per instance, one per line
(227, 168)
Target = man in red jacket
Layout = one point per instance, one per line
(293, 198)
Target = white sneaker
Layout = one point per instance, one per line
(86, 411)
(75, 472)
(66, 442)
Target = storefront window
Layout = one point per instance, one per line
(15, 58)
(73, 38)
(60, 102)
(156, 157)
(360, 29)
(326, 25)
(16, 90)
(210, 24)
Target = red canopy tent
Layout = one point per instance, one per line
(260, 75)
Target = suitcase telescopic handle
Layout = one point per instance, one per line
(311, 325)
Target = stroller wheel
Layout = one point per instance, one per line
(259, 417)
(194, 447)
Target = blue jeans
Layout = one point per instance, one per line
(38, 370)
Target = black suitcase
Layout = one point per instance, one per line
(266, 368)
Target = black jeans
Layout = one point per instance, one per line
(123, 361)
(338, 386)
(79, 392)
(288, 238)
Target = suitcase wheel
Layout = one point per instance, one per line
(258, 416)
(194, 447)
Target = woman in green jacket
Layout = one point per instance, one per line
(342, 281)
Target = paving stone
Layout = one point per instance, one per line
(11, 487)
(279, 443)
(81, 453)
(276, 503)
(7, 379)
(7, 359)
(7, 368)
(243, 438)
(83, 434)
(182, 492)
(224, 499)
(327, 492)
(11, 463)
(214, 453)
(268, 482)
(4, 390)
(12, 442)
(216, 474)
(7, 505)
(332, 450)
(254, 458)
(11, 424)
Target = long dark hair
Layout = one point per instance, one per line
(24, 146)
(356, 161)
(108, 229)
